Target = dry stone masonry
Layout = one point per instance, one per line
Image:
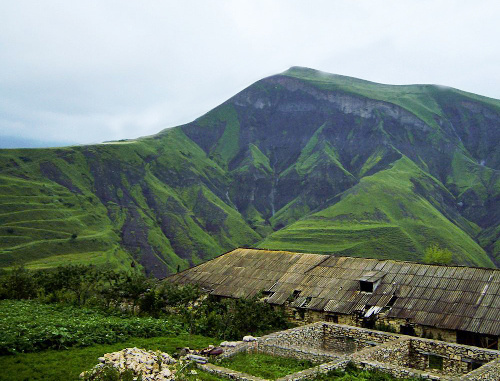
(332, 346)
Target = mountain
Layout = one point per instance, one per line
(303, 161)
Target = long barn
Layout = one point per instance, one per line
(452, 303)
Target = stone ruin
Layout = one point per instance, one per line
(331, 346)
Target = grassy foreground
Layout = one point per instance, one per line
(68, 364)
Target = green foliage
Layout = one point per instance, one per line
(29, 326)
(18, 284)
(232, 318)
(190, 193)
(437, 255)
(112, 300)
(264, 365)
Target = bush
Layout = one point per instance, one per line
(437, 255)
(18, 284)
(135, 294)
(233, 318)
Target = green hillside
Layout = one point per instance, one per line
(303, 161)
(384, 216)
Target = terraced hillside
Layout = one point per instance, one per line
(302, 161)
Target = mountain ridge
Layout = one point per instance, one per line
(265, 168)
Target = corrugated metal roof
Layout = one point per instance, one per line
(452, 297)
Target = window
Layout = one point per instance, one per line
(300, 314)
(332, 318)
(407, 330)
(294, 296)
(365, 286)
(392, 301)
(435, 362)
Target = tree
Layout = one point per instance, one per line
(437, 255)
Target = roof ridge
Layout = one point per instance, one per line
(377, 259)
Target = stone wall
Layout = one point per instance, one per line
(302, 316)
(240, 346)
(228, 373)
(420, 330)
(456, 358)
(314, 355)
(347, 339)
(310, 336)
(395, 352)
(490, 371)
(402, 356)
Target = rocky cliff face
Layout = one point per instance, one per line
(300, 161)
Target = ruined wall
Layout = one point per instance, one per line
(456, 358)
(335, 345)
(395, 352)
(303, 317)
(314, 355)
(487, 372)
(348, 339)
(310, 336)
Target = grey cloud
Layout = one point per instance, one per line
(89, 71)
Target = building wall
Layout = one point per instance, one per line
(420, 330)
(302, 317)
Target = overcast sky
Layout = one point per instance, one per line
(89, 71)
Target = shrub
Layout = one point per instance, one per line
(437, 255)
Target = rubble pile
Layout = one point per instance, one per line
(149, 365)
(152, 366)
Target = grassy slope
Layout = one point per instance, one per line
(381, 217)
(39, 216)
